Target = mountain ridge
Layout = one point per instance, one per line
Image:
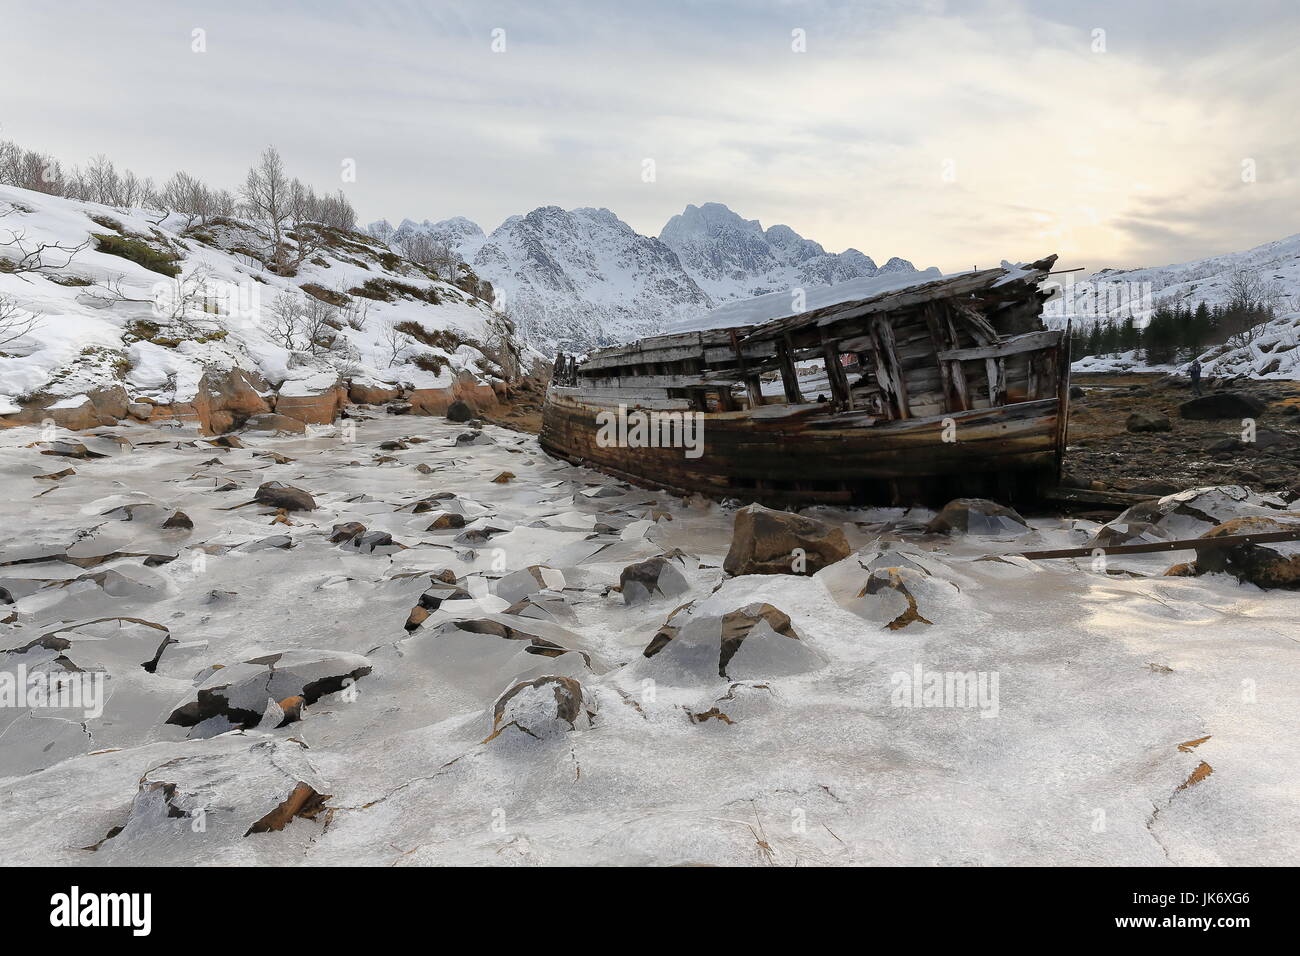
(581, 278)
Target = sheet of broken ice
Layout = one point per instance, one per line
(465, 682)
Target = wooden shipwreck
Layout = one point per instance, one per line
(934, 390)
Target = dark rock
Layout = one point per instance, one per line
(1147, 420)
(764, 541)
(659, 576)
(448, 519)
(367, 542)
(279, 495)
(1218, 405)
(179, 520)
(1155, 487)
(346, 532)
(459, 411)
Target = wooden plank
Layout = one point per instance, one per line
(789, 378)
(1158, 547)
(1028, 342)
(888, 373)
(835, 375)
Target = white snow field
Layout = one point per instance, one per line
(1122, 718)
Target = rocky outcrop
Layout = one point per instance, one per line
(106, 406)
(776, 542)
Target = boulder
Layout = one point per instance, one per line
(660, 576)
(1221, 405)
(1275, 564)
(1148, 420)
(977, 516)
(764, 541)
(459, 411)
(279, 495)
(346, 531)
(544, 707)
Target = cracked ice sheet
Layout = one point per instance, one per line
(817, 763)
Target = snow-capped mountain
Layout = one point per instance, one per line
(730, 257)
(582, 278)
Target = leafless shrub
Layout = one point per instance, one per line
(18, 254)
(396, 344)
(303, 323)
(436, 256)
(15, 321)
(1253, 302)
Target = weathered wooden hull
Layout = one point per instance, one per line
(812, 453)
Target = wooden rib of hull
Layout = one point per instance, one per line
(813, 454)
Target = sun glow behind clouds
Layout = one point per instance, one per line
(950, 134)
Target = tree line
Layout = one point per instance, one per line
(1178, 331)
(268, 194)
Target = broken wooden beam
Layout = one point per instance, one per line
(1156, 547)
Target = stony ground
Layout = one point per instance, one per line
(1191, 453)
(274, 696)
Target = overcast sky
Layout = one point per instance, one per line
(952, 134)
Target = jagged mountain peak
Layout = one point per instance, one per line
(583, 277)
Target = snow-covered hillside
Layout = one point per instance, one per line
(582, 278)
(1208, 280)
(1271, 351)
(131, 309)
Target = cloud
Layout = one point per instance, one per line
(950, 134)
